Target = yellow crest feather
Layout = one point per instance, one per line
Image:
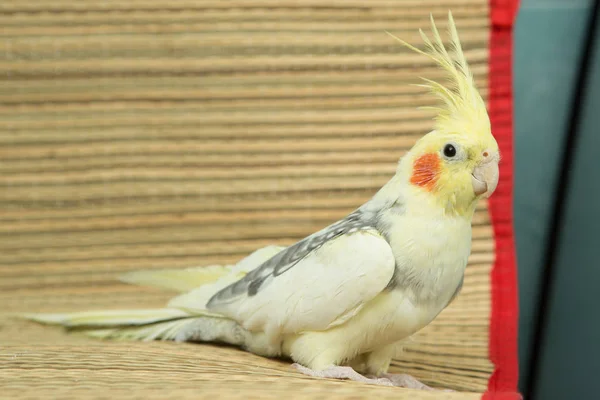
(463, 111)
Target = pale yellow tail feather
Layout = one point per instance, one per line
(198, 284)
(187, 279)
(188, 329)
(179, 280)
(108, 318)
(167, 330)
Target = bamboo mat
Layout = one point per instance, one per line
(153, 134)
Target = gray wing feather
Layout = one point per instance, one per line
(286, 259)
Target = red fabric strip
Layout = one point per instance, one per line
(502, 12)
(504, 316)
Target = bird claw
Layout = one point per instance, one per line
(339, 372)
(406, 381)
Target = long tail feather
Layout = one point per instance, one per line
(188, 319)
(108, 318)
(180, 280)
(185, 280)
(192, 329)
(168, 330)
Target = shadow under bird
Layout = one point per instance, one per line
(341, 301)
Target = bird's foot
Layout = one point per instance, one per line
(337, 372)
(406, 381)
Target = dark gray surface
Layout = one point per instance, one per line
(548, 43)
(570, 356)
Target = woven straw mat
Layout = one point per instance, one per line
(166, 134)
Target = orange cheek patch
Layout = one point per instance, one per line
(426, 170)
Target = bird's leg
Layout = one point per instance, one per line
(378, 362)
(368, 368)
(338, 372)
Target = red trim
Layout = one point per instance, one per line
(502, 12)
(503, 326)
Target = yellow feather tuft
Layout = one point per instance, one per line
(463, 111)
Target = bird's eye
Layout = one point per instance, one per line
(449, 150)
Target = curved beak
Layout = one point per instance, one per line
(485, 177)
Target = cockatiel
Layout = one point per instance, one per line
(340, 301)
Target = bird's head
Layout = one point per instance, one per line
(456, 164)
